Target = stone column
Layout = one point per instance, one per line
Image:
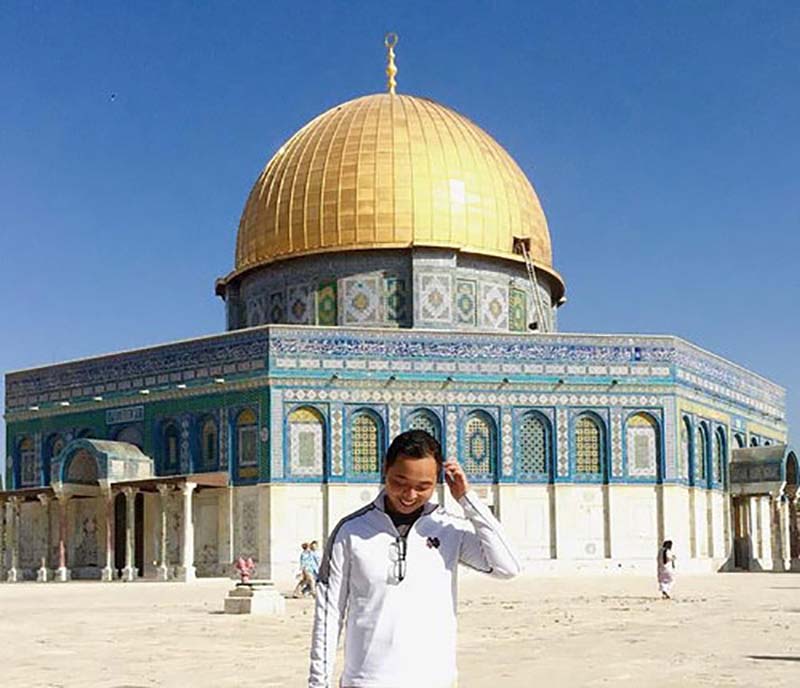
(163, 553)
(776, 523)
(752, 531)
(129, 572)
(187, 571)
(62, 573)
(44, 574)
(14, 574)
(225, 531)
(764, 511)
(786, 533)
(108, 573)
(794, 532)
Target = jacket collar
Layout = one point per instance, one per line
(380, 504)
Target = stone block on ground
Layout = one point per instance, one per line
(255, 597)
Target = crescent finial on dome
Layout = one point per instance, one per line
(390, 40)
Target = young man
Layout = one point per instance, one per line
(390, 569)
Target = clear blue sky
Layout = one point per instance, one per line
(662, 139)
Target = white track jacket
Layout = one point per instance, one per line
(400, 633)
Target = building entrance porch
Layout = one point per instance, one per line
(92, 522)
(766, 518)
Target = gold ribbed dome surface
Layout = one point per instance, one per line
(390, 171)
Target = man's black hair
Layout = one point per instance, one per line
(414, 444)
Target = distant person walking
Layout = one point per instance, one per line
(666, 569)
(312, 546)
(309, 567)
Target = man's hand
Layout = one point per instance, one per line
(456, 479)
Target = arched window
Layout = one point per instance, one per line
(209, 447)
(718, 463)
(588, 447)
(82, 468)
(27, 461)
(641, 444)
(754, 441)
(480, 440)
(306, 442)
(701, 454)
(534, 447)
(686, 447)
(365, 437)
(792, 470)
(739, 438)
(131, 434)
(171, 448)
(55, 443)
(422, 419)
(247, 438)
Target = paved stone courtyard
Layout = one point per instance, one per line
(722, 630)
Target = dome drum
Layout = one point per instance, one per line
(422, 287)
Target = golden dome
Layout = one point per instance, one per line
(391, 171)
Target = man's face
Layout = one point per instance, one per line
(410, 483)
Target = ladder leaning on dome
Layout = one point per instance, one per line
(521, 245)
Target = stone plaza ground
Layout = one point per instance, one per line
(721, 630)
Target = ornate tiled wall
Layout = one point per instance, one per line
(300, 304)
(434, 300)
(361, 300)
(507, 442)
(276, 432)
(671, 446)
(612, 376)
(327, 303)
(493, 313)
(365, 288)
(398, 300)
(337, 433)
(306, 431)
(616, 442)
(517, 310)
(427, 288)
(246, 523)
(257, 310)
(642, 442)
(466, 303)
(277, 308)
(507, 411)
(453, 291)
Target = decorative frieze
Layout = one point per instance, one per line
(590, 356)
(127, 414)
